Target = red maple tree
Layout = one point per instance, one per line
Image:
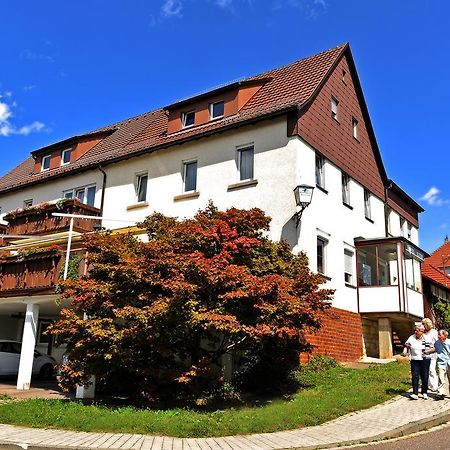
(160, 316)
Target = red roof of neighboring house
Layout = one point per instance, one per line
(285, 88)
(432, 267)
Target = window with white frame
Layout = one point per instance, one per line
(216, 110)
(348, 266)
(334, 108)
(345, 189)
(85, 194)
(245, 156)
(388, 221)
(321, 254)
(408, 230)
(141, 186)
(402, 226)
(367, 204)
(190, 176)
(320, 170)
(188, 119)
(65, 156)
(45, 163)
(355, 128)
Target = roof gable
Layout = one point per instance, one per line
(333, 137)
(441, 257)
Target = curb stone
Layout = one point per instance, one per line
(405, 430)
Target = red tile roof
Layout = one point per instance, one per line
(432, 267)
(288, 87)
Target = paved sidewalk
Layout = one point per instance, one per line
(397, 417)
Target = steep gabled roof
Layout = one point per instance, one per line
(435, 275)
(441, 257)
(432, 267)
(284, 89)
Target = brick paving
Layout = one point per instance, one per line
(380, 421)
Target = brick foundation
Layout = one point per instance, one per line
(340, 336)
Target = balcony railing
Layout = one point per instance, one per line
(31, 271)
(38, 219)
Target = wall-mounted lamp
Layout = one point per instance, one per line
(303, 196)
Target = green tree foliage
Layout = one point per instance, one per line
(157, 318)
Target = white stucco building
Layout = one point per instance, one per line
(247, 144)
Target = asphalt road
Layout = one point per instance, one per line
(437, 438)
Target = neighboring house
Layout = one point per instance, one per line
(436, 280)
(249, 144)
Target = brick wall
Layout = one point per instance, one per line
(339, 337)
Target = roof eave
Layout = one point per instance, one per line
(146, 149)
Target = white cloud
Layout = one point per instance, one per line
(433, 198)
(7, 128)
(29, 87)
(34, 127)
(171, 8)
(5, 112)
(34, 56)
(224, 3)
(443, 226)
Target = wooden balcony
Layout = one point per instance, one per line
(38, 219)
(31, 271)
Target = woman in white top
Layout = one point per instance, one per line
(418, 346)
(432, 334)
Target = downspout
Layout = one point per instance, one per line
(103, 189)
(386, 211)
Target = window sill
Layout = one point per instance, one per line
(347, 205)
(242, 184)
(351, 286)
(326, 277)
(370, 220)
(137, 206)
(322, 189)
(186, 196)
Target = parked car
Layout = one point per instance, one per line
(43, 365)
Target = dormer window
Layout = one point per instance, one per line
(217, 110)
(65, 156)
(188, 119)
(45, 164)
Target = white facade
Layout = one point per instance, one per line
(280, 163)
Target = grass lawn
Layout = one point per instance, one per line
(330, 394)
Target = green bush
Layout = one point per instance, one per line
(319, 363)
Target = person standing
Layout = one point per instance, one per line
(442, 349)
(416, 346)
(431, 335)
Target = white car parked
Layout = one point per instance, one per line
(43, 365)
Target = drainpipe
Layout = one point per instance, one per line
(103, 189)
(386, 210)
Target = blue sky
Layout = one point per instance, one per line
(69, 67)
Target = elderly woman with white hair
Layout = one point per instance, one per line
(419, 347)
(431, 334)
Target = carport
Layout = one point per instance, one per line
(25, 319)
